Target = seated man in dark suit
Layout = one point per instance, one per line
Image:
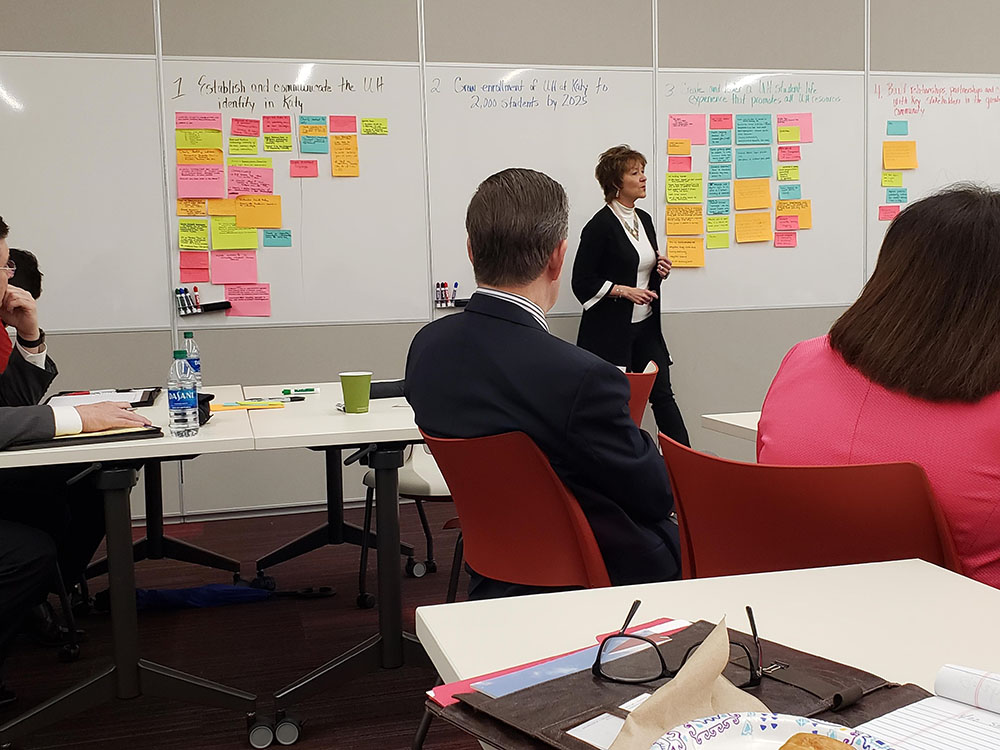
(495, 368)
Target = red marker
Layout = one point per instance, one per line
(197, 299)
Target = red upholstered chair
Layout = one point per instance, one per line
(641, 384)
(749, 518)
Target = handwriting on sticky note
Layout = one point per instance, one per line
(222, 207)
(720, 137)
(312, 120)
(312, 129)
(787, 134)
(344, 156)
(198, 138)
(800, 208)
(679, 147)
(250, 161)
(789, 153)
(754, 227)
(194, 260)
(250, 181)
(198, 120)
(374, 126)
(753, 130)
(245, 126)
(684, 187)
(892, 179)
(787, 223)
(277, 141)
(277, 123)
(749, 194)
(802, 120)
(691, 127)
(720, 122)
(684, 219)
(258, 211)
(888, 213)
(190, 206)
(717, 240)
(720, 171)
(277, 238)
(227, 236)
(897, 127)
(314, 144)
(249, 300)
(234, 267)
(303, 168)
(343, 124)
(753, 162)
(717, 206)
(895, 195)
(717, 223)
(241, 145)
(720, 154)
(789, 192)
(199, 156)
(899, 154)
(678, 163)
(786, 239)
(201, 180)
(686, 252)
(719, 189)
(192, 234)
(788, 172)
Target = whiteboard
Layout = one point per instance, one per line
(82, 187)
(359, 244)
(555, 120)
(827, 266)
(953, 119)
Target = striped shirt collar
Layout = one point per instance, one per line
(516, 299)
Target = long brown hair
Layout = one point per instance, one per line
(928, 321)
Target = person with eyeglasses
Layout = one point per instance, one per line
(22, 268)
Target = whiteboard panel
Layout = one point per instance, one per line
(359, 244)
(827, 266)
(953, 119)
(554, 120)
(82, 187)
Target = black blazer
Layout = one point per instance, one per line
(607, 254)
(22, 385)
(494, 369)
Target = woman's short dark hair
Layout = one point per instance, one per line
(926, 322)
(515, 221)
(611, 168)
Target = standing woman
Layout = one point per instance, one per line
(617, 274)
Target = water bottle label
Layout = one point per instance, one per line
(195, 363)
(182, 398)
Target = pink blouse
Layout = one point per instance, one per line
(821, 411)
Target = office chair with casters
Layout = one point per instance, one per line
(751, 518)
(641, 385)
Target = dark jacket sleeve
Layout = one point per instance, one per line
(22, 386)
(587, 277)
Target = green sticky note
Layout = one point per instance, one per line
(892, 179)
(895, 195)
(277, 141)
(789, 192)
(753, 130)
(715, 241)
(897, 127)
(719, 189)
(227, 236)
(239, 144)
(312, 119)
(720, 171)
(314, 144)
(717, 223)
(374, 126)
(720, 137)
(243, 161)
(684, 187)
(198, 138)
(720, 154)
(788, 172)
(277, 237)
(717, 206)
(192, 234)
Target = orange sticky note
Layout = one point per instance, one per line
(800, 208)
(752, 194)
(312, 129)
(686, 252)
(190, 206)
(222, 207)
(344, 156)
(679, 146)
(199, 156)
(258, 211)
(899, 154)
(684, 219)
(755, 227)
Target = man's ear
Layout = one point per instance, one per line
(556, 260)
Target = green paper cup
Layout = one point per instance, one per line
(357, 388)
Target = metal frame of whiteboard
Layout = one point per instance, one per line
(737, 424)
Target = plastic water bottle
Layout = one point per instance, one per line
(193, 356)
(182, 397)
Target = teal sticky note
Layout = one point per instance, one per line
(897, 127)
(314, 144)
(312, 119)
(895, 195)
(277, 238)
(753, 130)
(753, 162)
(791, 192)
(720, 171)
(717, 206)
(719, 189)
(720, 154)
(720, 137)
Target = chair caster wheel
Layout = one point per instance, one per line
(69, 653)
(260, 732)
(288, 730)
(432, 566)
(263, 582)
(366, 601)
(415, 569)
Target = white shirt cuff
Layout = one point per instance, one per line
(37, 359)
(68, 420)
(599, 296)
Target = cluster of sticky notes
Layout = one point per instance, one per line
(897, 156)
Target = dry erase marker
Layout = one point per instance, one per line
(181, 309)
(445, 294)
(298, 391)
(454, 294)
(437, 294)
(189, 300)
(197, 300)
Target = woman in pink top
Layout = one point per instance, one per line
(911, 372)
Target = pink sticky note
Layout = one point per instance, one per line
(249, 300)
(303, 168)
(789, 153)
(194, 275)
(678, 163)
(249, 181)
(343, 124)
(201, 181)
(194, 260)
(803, 121)
(787, 223)
(888, 213)
(277, 123)
(234, 267)
(244, 126)
(720, 122)
(786, 239)
(198, 120)
(691, 127)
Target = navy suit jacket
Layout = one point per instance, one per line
(493, 369)
(22, 386)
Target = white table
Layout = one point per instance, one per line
(741, 424)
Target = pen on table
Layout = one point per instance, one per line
(282, 399)
(298, 391)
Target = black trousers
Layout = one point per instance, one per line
(646, 344)
(27, 571)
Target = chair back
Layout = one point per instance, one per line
(641, 385)
(519, 522)
(749, 518)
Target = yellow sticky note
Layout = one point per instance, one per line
(239, 144)
(788, 172)
(686, 252)
(244, 161)
(344, 156)
(198, 138)
(227, 236)
(684, 187)
(277, 141)
(312, 129)
(752, 193)
(199, 156)
(717, 240)
(222, 207)
(892, 179)
(190, 206)
(899, 154)
(684, 219)
(800, 208)
(374, 126)
(717, 224)
(258, 211)
(755, 227)
(788, 134)
(192, 234)
(679, 146)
